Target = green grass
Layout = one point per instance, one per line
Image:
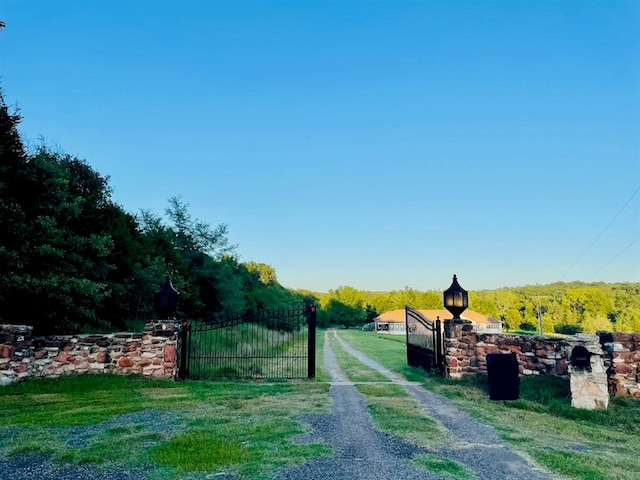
(443, 468)
(241, 428)
(354, 368)
(580, 444)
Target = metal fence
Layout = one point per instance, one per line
(272, 344)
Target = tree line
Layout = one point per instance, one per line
(558, 307)
(72, 260)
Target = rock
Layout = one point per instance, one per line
(125, 362)
(170, 353)
(103, 357)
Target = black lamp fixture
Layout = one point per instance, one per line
(456, 299)
(165, 300)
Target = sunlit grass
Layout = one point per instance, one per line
(354, 368)
(445, 469)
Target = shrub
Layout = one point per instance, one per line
(527, 327)
(568, 329)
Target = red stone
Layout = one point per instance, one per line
(61, 357)
(40, 354)
(170, 353)
(623, 369)
(23, 368)
(561, 368)
(620, 390)
(102, 357)
(125, 362)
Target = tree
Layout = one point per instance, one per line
(54, 247)
(339, 313)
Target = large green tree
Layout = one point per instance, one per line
(54, 246)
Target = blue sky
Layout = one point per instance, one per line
(377, 144)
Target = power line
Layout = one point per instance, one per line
(620, 253)
(600, 235)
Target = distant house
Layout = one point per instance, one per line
(393, 321)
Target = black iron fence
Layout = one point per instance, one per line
(272, 344)
(424, 341)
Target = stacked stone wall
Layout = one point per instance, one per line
(622, 362)
(151, 353)
(466, 354)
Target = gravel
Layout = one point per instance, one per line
(40, 467)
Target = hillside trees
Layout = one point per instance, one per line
(561, 307)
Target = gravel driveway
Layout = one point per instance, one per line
(473, 444)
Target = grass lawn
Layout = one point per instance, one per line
(580, 444)
(241, 428)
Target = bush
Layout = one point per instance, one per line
(568, 329)
(527, 327)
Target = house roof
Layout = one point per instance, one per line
(398, 316)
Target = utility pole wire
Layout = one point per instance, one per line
(612, 260)
(600, 235)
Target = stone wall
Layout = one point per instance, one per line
(151, 353)
(622, 362)
(466, 353)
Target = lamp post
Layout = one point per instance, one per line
(165, 300)
(456, 300)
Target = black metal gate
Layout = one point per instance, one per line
(272, 344)
(424, 342)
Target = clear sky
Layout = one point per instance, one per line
(377, 144)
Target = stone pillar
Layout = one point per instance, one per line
(453, 355)
(588, 384)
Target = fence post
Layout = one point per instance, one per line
(439, 353)
(311, 343)
(184, 342)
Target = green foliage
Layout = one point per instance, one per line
(339, 313)
(528, 327)
(568, 329)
